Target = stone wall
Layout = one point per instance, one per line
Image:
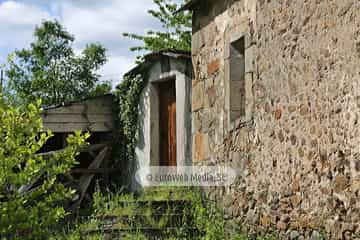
(298, 146)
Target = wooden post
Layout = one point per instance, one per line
(1, 80)
(85, 180)
(106, 174)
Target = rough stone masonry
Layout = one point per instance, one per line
(298, 143)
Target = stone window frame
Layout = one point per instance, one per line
(232, 37)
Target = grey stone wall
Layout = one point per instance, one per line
(298, 146)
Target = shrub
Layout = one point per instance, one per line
(30, 194)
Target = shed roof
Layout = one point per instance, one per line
(154, 56)
(190, 5)
(69, 103)
(94, 114)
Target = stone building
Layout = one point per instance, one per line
(276, 94)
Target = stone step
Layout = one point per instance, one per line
(141, 220)
(150, 233)
(157, 206)
(157, 214)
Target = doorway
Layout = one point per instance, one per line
(167, 123)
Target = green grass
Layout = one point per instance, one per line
(206, 216)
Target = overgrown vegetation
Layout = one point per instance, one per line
(175, 33)
(130, 216)
(128, 95)
(30, 194)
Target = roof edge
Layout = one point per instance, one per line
(188, 6)
(149, 57)
(71, 102)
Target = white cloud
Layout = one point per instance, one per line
(90, 21)
(107, 22)
(115, 68)
(17, 23)
(104, 23)
(15, 13)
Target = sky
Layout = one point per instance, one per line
(90, 21)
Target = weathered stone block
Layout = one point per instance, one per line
(281, 226)
(197, 42)
(281, 136)
(355, 185)
(341, 183)
(295, 200)
(265, 221)
(197, 96)
(211, 96)
(213, 67)
(277, 114)
(249, 59)
(201, 147)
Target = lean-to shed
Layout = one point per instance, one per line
(164, 124)
(95, 115)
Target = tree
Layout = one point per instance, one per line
(51, 71)
(176, 33)
(2, 67)
(6, 92)
(29, 214)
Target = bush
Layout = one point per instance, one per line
(30, 194)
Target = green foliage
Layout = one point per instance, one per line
(51, 71)
(7, 95)
(75, 234)
(176, 34)
(101, 89)
(30, 214)
(208, 219)
(128, 96)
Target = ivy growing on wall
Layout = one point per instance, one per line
(128, 95)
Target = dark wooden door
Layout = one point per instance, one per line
(167, 124)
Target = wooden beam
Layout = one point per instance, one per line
(71, 127)
(76, 118)
(86, 148)
(93, 147)
(94, 171)
(81, 108)
(89, 106)
(106, 165)
(85, 180)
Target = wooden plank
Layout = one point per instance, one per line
(76, 118)
(85, 180)
(101, 105)
(81, 108)
(71, 127)
(106, 165)
(94, 171)
(87, 148)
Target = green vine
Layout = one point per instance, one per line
(128, 95)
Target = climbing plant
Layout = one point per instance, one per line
(128, 95)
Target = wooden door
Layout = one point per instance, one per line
(167, 124)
